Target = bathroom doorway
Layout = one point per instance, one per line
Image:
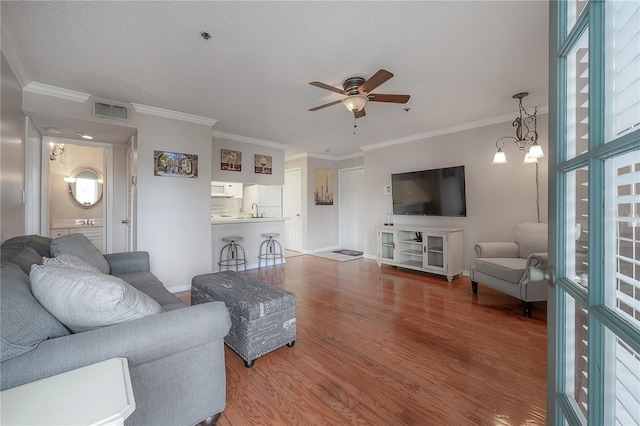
(76, 189)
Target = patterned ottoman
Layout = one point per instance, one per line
(263, 317)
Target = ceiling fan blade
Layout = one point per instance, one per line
(396, 99)
(376, 80)
(360, 113)
(325, 105)
(327, 87)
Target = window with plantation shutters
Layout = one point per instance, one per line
(622, 284)
(623, 62)
(595, 367)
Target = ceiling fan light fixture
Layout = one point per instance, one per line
(355, 102)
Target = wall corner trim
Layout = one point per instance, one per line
(57, 92)
(247, 139)
(175, 115)
(448, 130)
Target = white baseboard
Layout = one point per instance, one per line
(179, 288)
(318, 250)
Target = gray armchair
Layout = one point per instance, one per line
(504, 266)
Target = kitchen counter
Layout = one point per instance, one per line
(250, 229)
(227, 220)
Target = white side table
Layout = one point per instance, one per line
(98, 394)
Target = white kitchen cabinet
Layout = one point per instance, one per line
(438, 250)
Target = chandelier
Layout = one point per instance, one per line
(526, 135)
(56, 150)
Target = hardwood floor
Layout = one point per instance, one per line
(391, 347)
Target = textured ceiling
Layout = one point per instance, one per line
(461, 61)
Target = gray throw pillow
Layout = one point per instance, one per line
(69, 261)
(24, 257)
(25, 323)
(86, 300)
(79, 245)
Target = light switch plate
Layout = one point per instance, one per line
(387, 190)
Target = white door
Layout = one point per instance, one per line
(350, 187)
(292, 209)
(594, 194)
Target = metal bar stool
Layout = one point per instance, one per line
(270, 249)
(232, 254)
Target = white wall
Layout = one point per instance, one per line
(247, 174)
(174, 222)
(498, 196)
(12, 148)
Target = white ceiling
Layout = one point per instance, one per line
(461, 61)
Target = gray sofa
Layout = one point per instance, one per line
(176, 357)
(504, 266)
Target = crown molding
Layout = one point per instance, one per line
(175, 115)
(56, 92)
(448, 130)
(247, 139)
(323, 156)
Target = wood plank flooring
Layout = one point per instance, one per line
(393, 347)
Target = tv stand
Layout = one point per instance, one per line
(439, 252)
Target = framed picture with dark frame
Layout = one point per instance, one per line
(262, 164)
(231, 160)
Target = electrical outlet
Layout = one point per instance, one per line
(246, 253)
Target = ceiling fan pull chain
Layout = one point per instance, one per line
(354, 125)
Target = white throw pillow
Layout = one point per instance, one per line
(83, 300)
(69, 261)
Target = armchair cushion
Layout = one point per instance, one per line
(531, 238)
(508, 269)
(79, 245)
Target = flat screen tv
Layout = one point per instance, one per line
(436, 192)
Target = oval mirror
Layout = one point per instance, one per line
(86, 189)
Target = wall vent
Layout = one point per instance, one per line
(111, 110)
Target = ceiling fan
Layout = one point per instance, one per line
(357, 91)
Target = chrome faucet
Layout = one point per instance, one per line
(257, 215)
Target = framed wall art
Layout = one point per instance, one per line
(231, 160)
(262, 164)
(175, 164)
(324, 187)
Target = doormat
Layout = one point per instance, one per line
(349, 252)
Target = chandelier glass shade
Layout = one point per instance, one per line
(355, 102)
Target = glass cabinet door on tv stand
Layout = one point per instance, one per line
(386, 246)
(434, 255)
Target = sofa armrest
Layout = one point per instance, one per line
(497, 249)
(132, 261)
(140, 341)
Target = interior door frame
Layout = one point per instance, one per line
(107, 188)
